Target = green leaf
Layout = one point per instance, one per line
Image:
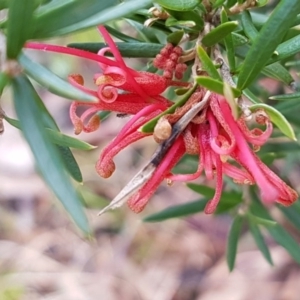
(57, 137)
(178, 211)
(191, 17)
(46, 155)
(248, 26)
(149, 126)
(228, 41)
(146, 34)
(238, 39)
(228, 200)
(178, 5)
(175, 37)
(52, 82)
(63, 142)
(284, 97)
(134, 50)
(215, 85)
(260, 241)
(260, 221)
(260, 3)
(217, 34)
(232, 241)
(218, 3)
(172, 22)
(4, 81)
(207, 64)
(280, 147)
(277, 118)
(264, 46)
(252, 97)
(292, 214)
(52, 21)
(70, 163)
(287, 49)
(277, 71)
(230, 3)
(61, 139)
(279, 234)
(19, 25)
(121, 36)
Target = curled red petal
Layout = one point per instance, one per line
(221, 110)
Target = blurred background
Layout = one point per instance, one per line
(44, 256)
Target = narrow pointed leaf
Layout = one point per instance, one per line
(232, 241)
(52, 82)
(248, 26)
(46, 155)
(267, 40)
(215, 85)
(19, 25)
(228, 41)
(57, 137)
(70, 163)
(121, 36)
(191, 17)
(292, 214)
(278, 72)
(178, 5)
(67, 141)
(277, 118)
(177, 211)
(63, 143)
(4, 81)
(260, 241)
(51, 19)
(207, 64)
(252, 97)
(218, 33)
(82, 15)
(132, 49)
(260, 221)
(287, 49)
(279, 234)
(228, 199)
(293, 96)
(238, 39)
(175, 37)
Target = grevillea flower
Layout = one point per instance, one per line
(119, 88)
(224, 145)
(218, 139)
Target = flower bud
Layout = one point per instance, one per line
(163, 129)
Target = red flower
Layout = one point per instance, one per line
(119, 88)
(214, 135)
(217, 139)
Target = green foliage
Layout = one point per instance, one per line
(178, 5)
(215, 85)
(48, 159)
(132, 49)
(264, 46)
(233, 239)
(257, 45)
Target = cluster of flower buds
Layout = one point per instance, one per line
(169, 60)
